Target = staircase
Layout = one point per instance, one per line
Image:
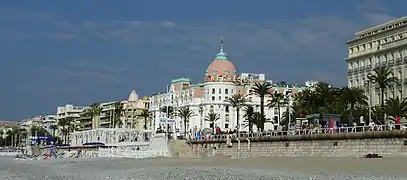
(181, 149)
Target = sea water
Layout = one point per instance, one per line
(158, 169)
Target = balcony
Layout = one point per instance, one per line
(390, 62)
(393, 44)
(398, 60)
(363, 52)
(405, 81)
(350, 72)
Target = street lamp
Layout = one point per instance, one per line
(368, 84)
(288, 93)
(201, 118)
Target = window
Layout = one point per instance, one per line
(211, 109)
(226, 91)
(220, 98)
(226, 126)
(227, 118)
(220, 91)
(226, 108)
(213, 98)
(275, 118)
(213, 90)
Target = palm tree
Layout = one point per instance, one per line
(54, 128)
(94, 111)
(63, 123)
(249, 116)
(109, 115)
(170, 111)
(360, 111)
(262, 90)
(38, 131)
(237, 101)
(1, 137)
(278, 100)
(396, 108)
(146, 115)
(259, 120)
(326, 96)
(377, 113)
(384, 79)
(212, 118)
(117, 114)
(185, 113)
(353, 96)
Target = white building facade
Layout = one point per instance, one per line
(129, 116)
(221, 82)
(69, 111)
(383, 45)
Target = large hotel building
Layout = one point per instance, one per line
(220, 81)
(383, 45)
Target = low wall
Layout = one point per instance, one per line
(385, 143)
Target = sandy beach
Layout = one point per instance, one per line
(296, 168)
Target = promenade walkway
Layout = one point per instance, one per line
(181, 149)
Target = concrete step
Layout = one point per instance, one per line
(181, 149)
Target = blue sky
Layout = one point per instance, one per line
(80, 52)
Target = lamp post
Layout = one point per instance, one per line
(201, 118)
(288, 93)
(368, 84)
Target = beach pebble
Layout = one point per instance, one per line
(123, 169)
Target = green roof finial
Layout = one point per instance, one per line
(221, 55)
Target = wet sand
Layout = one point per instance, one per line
(284, 168)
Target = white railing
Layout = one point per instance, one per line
(157, 147)
(113, 152)
(350, 129)
(9, 153)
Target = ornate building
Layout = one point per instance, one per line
(129, 116)
(383, 45)
(221, 81)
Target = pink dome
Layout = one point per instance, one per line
(221, 67)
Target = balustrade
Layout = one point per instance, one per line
(351, 129)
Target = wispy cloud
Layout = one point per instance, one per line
(91, 71)
(101, 68)
(313, 39)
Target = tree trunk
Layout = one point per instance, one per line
(114, 120)
(279, 113)
(185, 128)
(145, 123)
(382, 104)
(237, 121)
(262, 113)
(249, 120)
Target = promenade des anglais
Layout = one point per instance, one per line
(235, 122)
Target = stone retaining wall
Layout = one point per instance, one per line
(337, 145)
